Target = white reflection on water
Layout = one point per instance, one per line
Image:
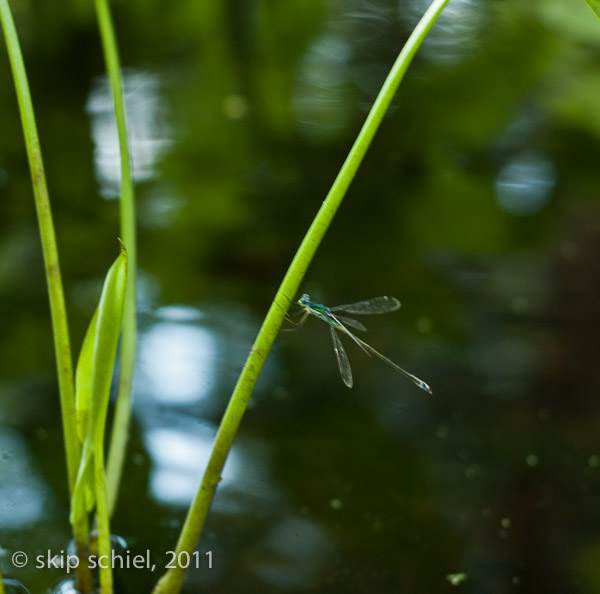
(178, 461)
(320, 98)
(183, 353)
(177, 359)
(179, 456)
(23, 497)
(524, 184)
(455, 34)
(296, 552)
(148, 124)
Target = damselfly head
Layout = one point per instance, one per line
(304, 300)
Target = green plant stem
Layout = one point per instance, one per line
(83, 574)
(58, 311)
(102, 520)
(172, 580)
(42, 203)
(1, 583)
(120, 430)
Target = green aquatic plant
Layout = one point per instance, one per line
(92, 388)
(58, 312)
(118, 443)
(172, 581)
(84, 410)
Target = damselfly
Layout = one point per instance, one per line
(340, 322)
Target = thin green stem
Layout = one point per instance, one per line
(102, 520)
(120, 430)
(1, 583)
(42, 203)
(53, 277)
(82, 540)
(57, 301)
(172, 580)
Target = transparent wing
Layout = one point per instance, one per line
(342, 358)
(370, 306)
(352, 323)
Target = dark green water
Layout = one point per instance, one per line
(477, 206)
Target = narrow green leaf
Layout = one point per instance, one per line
(98, 354)
(83, 379)
(83, 399)
(595, 6)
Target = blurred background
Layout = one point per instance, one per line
(478, 206)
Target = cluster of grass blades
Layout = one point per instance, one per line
(83, 408)
(92, 389)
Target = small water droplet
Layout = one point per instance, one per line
(336, 504)
(442, 432)
(532, 460)
(456, 578)
(424, 324)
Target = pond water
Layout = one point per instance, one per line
(477, 207)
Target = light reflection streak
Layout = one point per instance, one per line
(177, 360)
(455, 34)
(524, 184)
(148, 126)
(23, 496)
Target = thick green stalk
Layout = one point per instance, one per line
(42, 203)
(120, 430)
(172, 580)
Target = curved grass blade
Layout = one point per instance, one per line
(377, 305)
(58, 312)
(172, 581)
(83, 399)
(83, 379)
(342, 358)
(595, 6)
(97, 360)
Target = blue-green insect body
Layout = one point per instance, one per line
(339, 322)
